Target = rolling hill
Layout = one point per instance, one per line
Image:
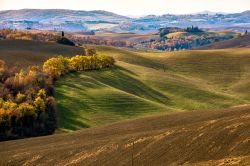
(22, 53)
(129, 37)
(215, 137)
(66, 20)
(240, 42)
(189, 80)
(162, 89)
(152, 83)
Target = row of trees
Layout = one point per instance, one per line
(62, 65)
(193, 29)
(27, 103)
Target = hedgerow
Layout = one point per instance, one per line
(62, 65)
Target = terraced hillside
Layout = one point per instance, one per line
(215, 137)
(153, 83)
(23, 53)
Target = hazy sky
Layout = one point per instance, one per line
(133, 7)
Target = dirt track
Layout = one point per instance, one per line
(203, 137)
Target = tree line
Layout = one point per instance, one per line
(46, 36)
(58, 66)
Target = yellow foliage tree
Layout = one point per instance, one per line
(27, 110)
(39, 104)
(41, 93)
(56, 66)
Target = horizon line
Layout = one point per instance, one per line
(135, 15)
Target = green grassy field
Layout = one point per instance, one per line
(138, 86)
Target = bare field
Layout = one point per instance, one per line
(22, 53)
(192, 138)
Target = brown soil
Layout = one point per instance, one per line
(211, 137)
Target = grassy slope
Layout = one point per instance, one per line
(138, 86)
(215, 137)
(129, 37)
(22, 53)
(199, 34)
(240, 42)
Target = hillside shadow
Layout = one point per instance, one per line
(124, 69)
(70, 105)
(122, 80)
(69, 117)
(74, 80)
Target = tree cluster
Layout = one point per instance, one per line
(193, 29)
(27, 105)
(58, 66)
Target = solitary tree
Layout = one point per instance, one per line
(62, 33)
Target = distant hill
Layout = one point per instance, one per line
(240, 42)
(59, 15)
(216, 137)
(173, 38)
(74, 20)
(57, 19)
